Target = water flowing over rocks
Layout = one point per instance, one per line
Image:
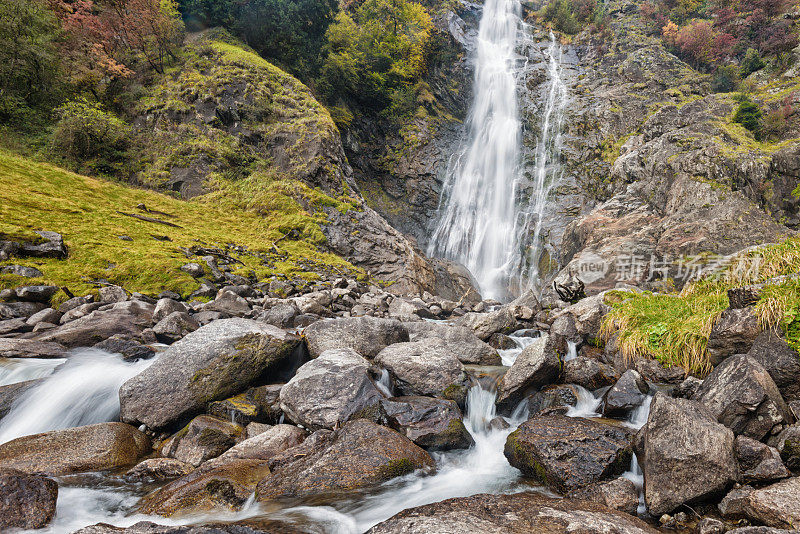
(211, 363)
(329, 390)
(358, 455)
(517, 513)
(685, 454)
(76, 450)
(566, 453)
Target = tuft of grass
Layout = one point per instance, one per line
(674, 328)
(279, 235)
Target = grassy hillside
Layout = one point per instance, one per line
(37, 196)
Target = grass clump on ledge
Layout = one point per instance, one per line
(280, 237)
(674, 328)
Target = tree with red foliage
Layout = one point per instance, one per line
(696, 42)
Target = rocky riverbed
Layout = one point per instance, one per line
(345, 409)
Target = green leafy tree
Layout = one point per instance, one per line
(751, 63)
(559, 12)
(749, 115)
(28, 59)
(725, 80)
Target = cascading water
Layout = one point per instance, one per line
(14, 370)
(483, 220)
(83, 391)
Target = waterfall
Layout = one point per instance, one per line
(484, 222)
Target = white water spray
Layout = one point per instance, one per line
(85, 390)
(14, 370)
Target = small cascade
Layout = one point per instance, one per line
(521, 342)
(84, 390)
(384, 383)
(15, 370)
(637, 420)
(587, 405)
(572, 351)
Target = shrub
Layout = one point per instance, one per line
(777, 123)
(560, 14)
(749, 115)
(92, 138)
(725, 80)
(751, 63)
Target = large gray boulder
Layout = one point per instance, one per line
(519, 513)
(365, 335)
(589, 373)
(741, 395)
(123, 318)
(568, 453)
(500, 321)
(212, 363)
(28, 348)
(75, 450)
(265, 445)
(536, 366)
(329, 390)
(776, 506)
(685, 454)
(620, 494)
(758, 462)
(587, 315)
(628, 393)
(459, 339)
(358, 455)
(732, 333)
(780, 360)
(423, 368)
(434, 424)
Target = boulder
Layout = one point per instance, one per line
(589, 373)
(587, 315)
(758, 462)
(249, 526)
(213, 486)
(51, 245)
(124, 318)
(619, 494)
(195, 270)
(329, 390)
(205, 437)
(688, 388)
(788, 444)
(425, 367)
(365, 335)
(14, 326)
(741, 395)
(265, 445)
(776, 506)
(557, 396)
(433, 424)
(28, 348)
(518, 513)
(47, 315)
(36, 293)
(360, 454)
(174, 327)
(257, 404)
(129, 349)
(628, 393)
(26, 501)
(22, 271)
(568, 453)
(685, 454)
(536, 366)
(484, 325)
(459, 339)
(79, 311)
(229, 303)
(158, 469)
(732, 333)
(167, 306)
(212, 363)
(112, 294)
(74, 450)
(780, 360)
(19, 310)
(281, 315)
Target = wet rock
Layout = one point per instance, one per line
(589, 373)
(741, 395)
(112, 294)
(758, 462)
(281, 315)
(265, 445)
(780, 360)
(124, 318)
(788, 444)
(129, 349)
(536, 366)
(688, 388)
(258, 404)
(213, 486)
(459, 339)
(174, 327)
(628, 393)
(423, 368)
(685, 454)
(433, 424)
(254, 429)
(566, 453)
(325, 461)
(619, 494)
(709, 525)
(75, 450)
(211, 363)
(21, 270)
(733, 333)
(166, 306)
(329, 390)
(158, 469)
(519, 513)
(365, 335)
(555, 396)
(249, 526)
(760, 530)
(36, 293)
(205, 437)
(11, 392)
(28, 348)
(27, 501)
(654, 371)
(732, 506)
(500, 321)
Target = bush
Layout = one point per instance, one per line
(751, 63)
(777, 123)
(91, 138)
(749, 115)
(560, 14)
(725, 80)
